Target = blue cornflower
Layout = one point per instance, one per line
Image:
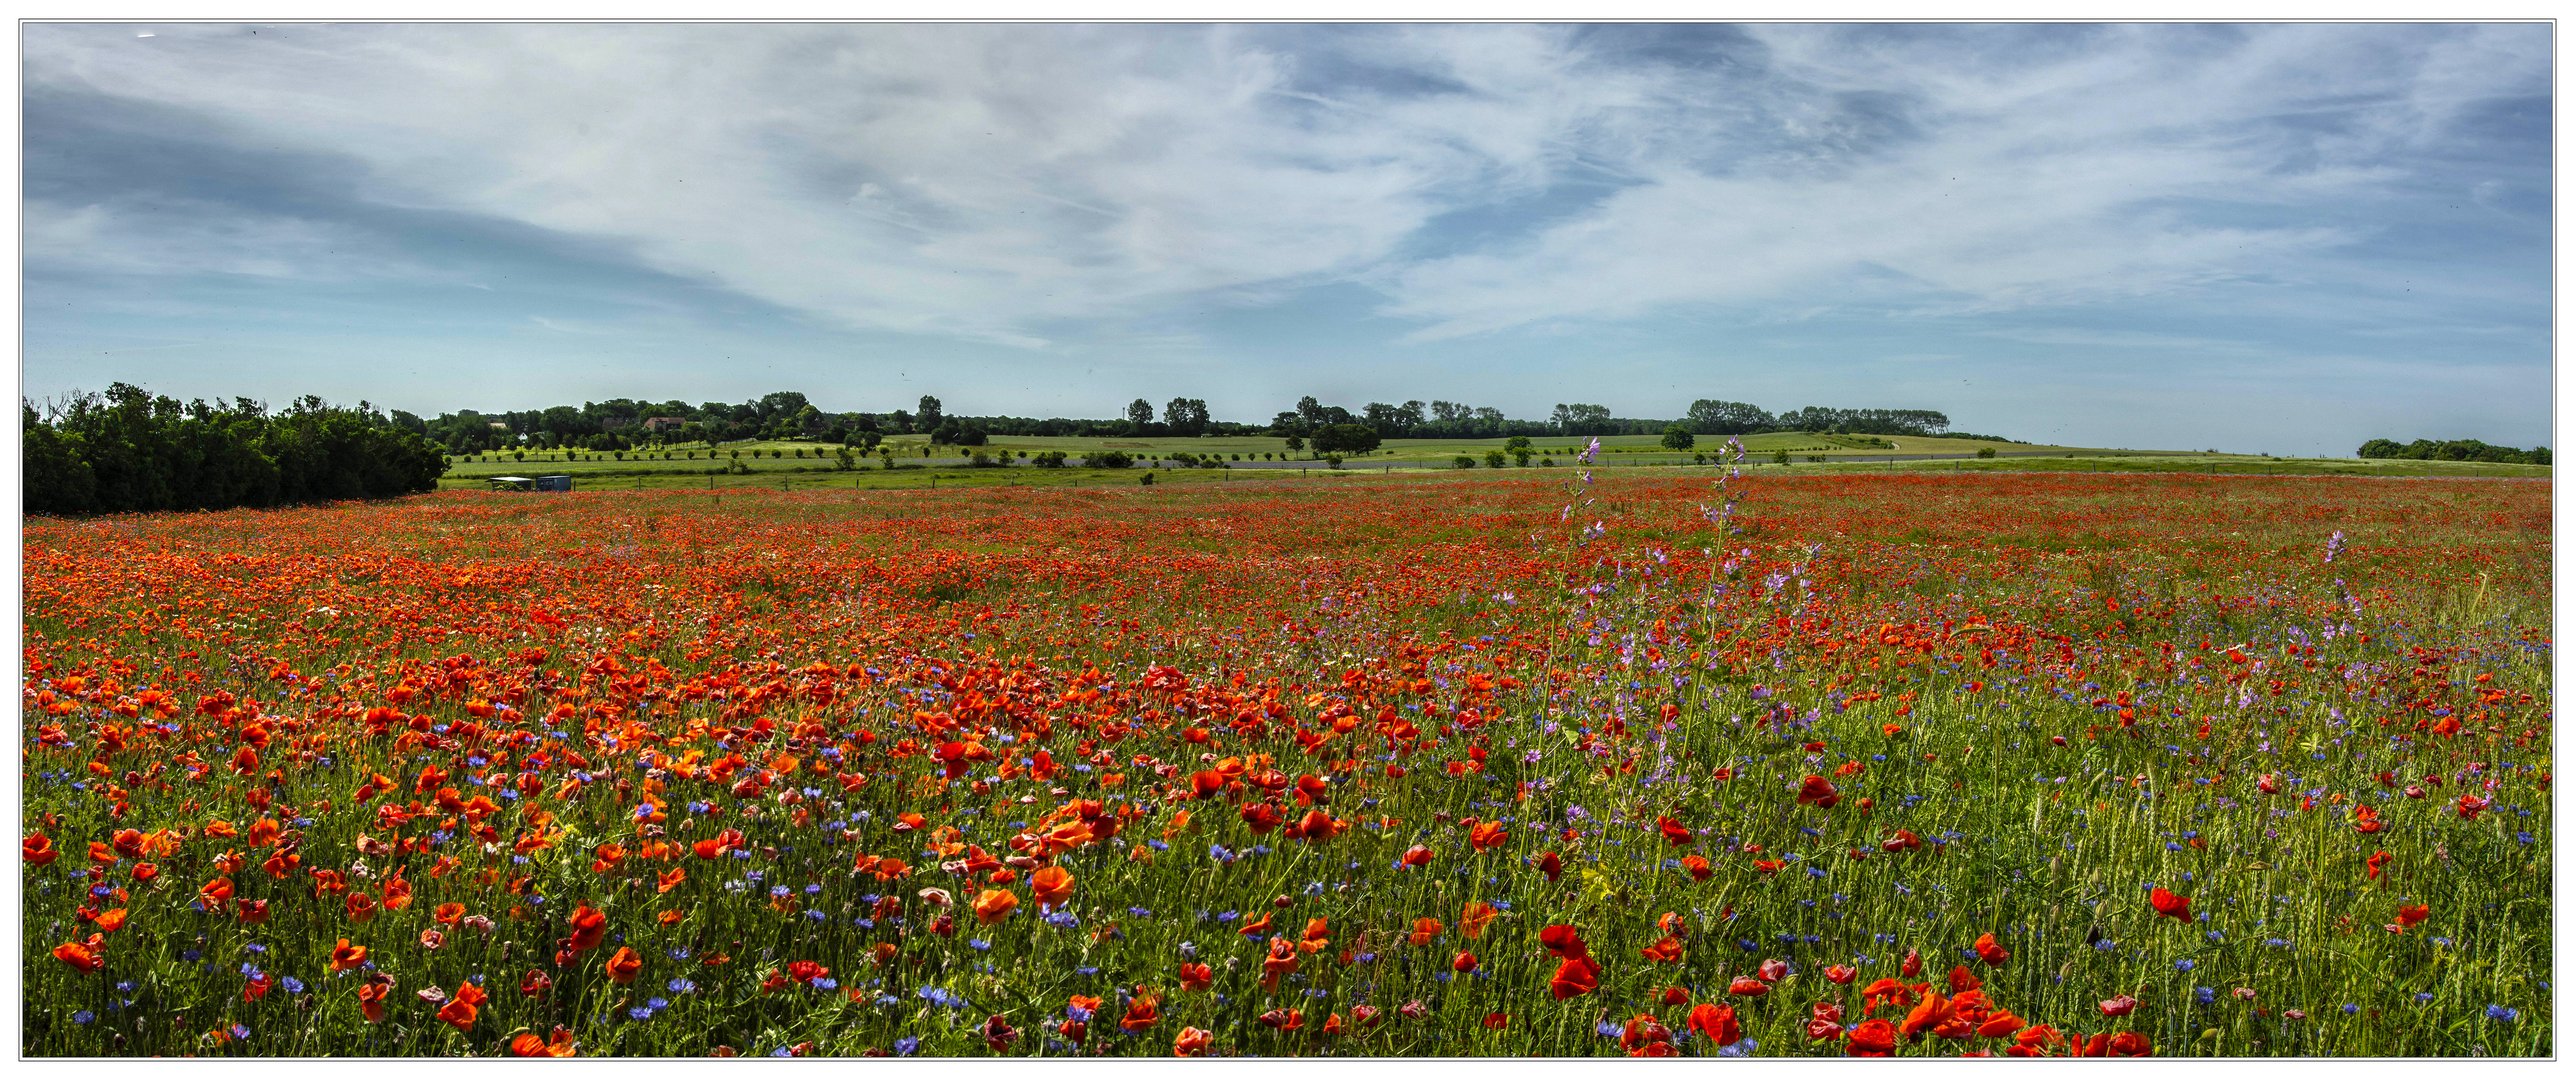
(84, 1016)
(904, 1046)
(2501, 1014)
(2183, 965)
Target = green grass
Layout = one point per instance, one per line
(945, 467)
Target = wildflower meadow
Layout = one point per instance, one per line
(1677, 762)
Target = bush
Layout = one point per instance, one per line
(1494, 459)
(1985, 452)
(1108, 459)
(1465, 462)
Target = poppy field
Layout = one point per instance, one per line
(1682, 764)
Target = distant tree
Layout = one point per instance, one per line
(929, 414)
(1345, 438)
(1712, 417)
(1186, 417)
(1465, 461)
(1677, 437)
(1494, 459)
(1139, 416)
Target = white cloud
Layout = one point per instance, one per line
(991, 181)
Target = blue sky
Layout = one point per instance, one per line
(2282, 238)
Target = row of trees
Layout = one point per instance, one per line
(2453, 450)
(628, 424)
(127, 450)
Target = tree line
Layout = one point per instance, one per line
(2453, 450)
(628, 423)
(130, 451)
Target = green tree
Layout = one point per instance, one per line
(1345, 438)
(1677, 437)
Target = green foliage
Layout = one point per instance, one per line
(1335, 439)
(128, 451)
(1677, 437)
(2453, 450)
(1985, 452)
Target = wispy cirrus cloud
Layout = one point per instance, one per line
(1134, 197)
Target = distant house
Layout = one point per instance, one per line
(664, 423)
(499, 426)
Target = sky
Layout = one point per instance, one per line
(2260, 238)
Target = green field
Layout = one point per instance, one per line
(774, 464)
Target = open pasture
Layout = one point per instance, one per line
(1791, 764)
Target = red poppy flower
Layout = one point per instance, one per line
(622, 967)
(345, 956)
(589, 928)
(1143, 1011)
(1717, 1023)
(1574, 978)
(1872, 1038)
(1992, 954)
(1051, 885)
(995, 905)
(1817, 792)
(2167, 904)
(1675, 833)
(84, 957)
(526, 1044)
